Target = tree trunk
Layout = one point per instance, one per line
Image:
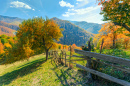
(46, 55)
(114, 42)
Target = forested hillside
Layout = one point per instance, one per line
(90, 27)
(10, 19)
(6, 30)
(72, 33)
(9, 25)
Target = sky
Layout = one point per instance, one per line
(74, 10)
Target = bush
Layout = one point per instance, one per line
(3, 40)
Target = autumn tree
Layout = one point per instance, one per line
(109, 31)
(113, 38)
(39, 33)
(116, 11)
(1, 48)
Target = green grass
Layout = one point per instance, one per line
(38, 72)
(116, 52)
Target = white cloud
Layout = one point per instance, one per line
(33, 9)
(65, 4)
(82, 3)
(80, 0)
(80, 11)
(17, 4)
(67, 14)
(89, 14)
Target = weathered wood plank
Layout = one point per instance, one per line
(65, 59)
(118, 67)
(104, 57)
(103, 75)
(78, 59)
(78, 56)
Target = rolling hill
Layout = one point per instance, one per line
(6, 30)
(72, 33)
(9, 25)
(13, 20)
(90, 27)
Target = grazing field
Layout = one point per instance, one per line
(38, 72)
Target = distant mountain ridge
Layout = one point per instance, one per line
(6, 30)
(12, 20)
(9, 25)
(90, 27)
(72, 33)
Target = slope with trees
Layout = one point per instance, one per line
(11, 26)
(72, 34)
(8, 19)
(90, 27)
(6, 30)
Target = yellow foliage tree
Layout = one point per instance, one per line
(1, 48)
(40, 33)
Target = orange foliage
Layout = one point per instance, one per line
(1, 48)
(111, 36)
(76, 47)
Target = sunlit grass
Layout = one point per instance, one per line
(38, 72)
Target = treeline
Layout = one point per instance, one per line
(72, 34)
(113, 37)
(34, 36)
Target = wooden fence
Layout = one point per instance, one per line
(117, 62)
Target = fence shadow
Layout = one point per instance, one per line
(68, 77)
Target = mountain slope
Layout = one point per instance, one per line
(14, 27)
(10, 19)
(72, 33)
(90, 27)
(6, 30)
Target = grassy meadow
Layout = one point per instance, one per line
(38, 72)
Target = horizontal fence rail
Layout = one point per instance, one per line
(103, 75)
(104, 57)
(100, 58)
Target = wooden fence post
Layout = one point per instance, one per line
(60, 57)
(65, 58)
(89, 66)
(70, 56)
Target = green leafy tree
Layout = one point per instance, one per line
(4, 40)
(117, 11)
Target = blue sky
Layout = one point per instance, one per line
(75, 10)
